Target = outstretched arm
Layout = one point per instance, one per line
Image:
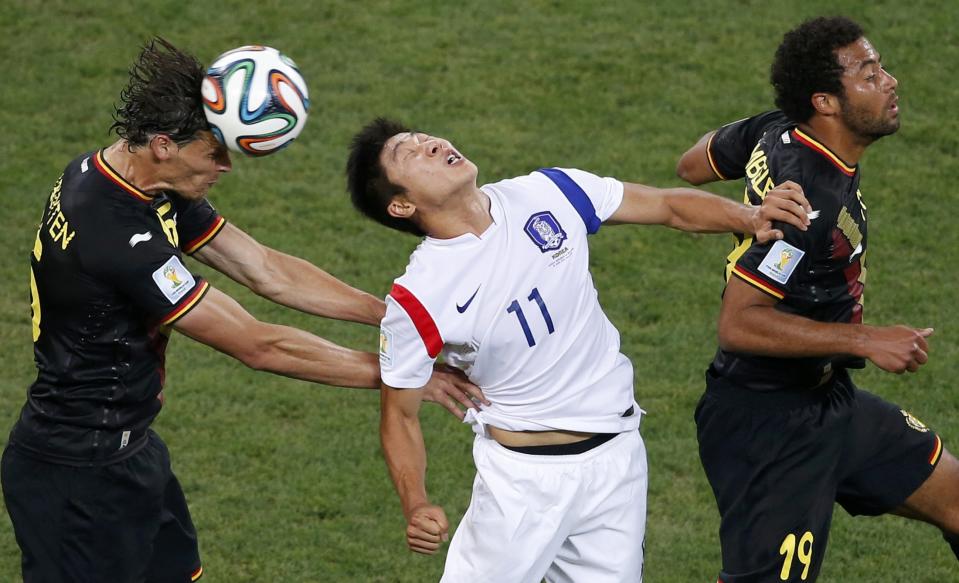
(288, 280)
(427, 527)
(749, 322)
(220, 322)
(688, 209)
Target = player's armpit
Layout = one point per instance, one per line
(221, 323)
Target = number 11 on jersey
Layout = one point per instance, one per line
(514, 308)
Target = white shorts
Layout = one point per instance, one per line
(569, 518)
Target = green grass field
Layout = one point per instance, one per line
(286, 480)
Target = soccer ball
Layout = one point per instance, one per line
(255, 100)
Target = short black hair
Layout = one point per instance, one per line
(162, 96)
(370, 190)
(805, 63)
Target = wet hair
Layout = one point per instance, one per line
(162, 96)
(805, 63)
(370, 190)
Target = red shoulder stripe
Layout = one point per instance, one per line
(194, 245)
(421, 319)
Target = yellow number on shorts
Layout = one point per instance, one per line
(804, 554)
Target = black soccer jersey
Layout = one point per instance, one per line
(107, 280)
(819, 273)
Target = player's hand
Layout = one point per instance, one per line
(427, 529)
(785, 203)
(450, 388)
(898, 349)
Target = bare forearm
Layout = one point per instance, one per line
(405, 455)
(701, 212)
(299, 284)
(298, 354)
(764, 330)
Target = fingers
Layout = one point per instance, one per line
(768, 234)
(786, 211)
(476, 394)
(450, 405)
(794, 192)
(427, 531)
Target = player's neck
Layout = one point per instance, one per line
(831, 133)
(469, 214)
(133, 167)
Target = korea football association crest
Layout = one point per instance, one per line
(545, 231)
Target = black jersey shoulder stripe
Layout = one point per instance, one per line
(114, 177)
(812, 143)
(187, 304)
(194, 245)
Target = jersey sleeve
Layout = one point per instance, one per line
(409, 342)
(197, 223)
(595, 198)
(137, 258)
(729, 148)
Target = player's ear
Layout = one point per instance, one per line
(162, 146)
(825, 104)
(401, 207)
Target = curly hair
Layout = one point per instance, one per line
(370, 190)
(162, 96)
(805, 63)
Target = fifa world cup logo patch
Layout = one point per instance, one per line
(914, 423)
(170, 273)
(785, 256)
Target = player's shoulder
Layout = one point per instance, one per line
(430, 274)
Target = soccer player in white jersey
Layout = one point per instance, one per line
(501, 287)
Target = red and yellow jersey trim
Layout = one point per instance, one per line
(194, 245)
(197, 574)
(759, 283)
(812, 143)
(936, 452)
(111, 174)
(187, 304)
(709, 157)
(421, 319)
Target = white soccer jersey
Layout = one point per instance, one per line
(516, 309)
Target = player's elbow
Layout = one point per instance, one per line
(731, 334)
(684, 170)
(688, 171)
(256, 348)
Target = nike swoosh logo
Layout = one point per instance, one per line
(463, 308)
(140, 238)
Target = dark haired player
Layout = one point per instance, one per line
(87, 484)
(783, 432)
(501, 284)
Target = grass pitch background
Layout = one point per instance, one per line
(285, 479)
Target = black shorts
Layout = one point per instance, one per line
(124, 522)
(778, 461)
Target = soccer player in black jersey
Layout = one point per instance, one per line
(783, 432)
(86, 482)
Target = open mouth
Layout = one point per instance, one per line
(453, 159)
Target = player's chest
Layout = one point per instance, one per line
(531, 266)
(848, 236)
